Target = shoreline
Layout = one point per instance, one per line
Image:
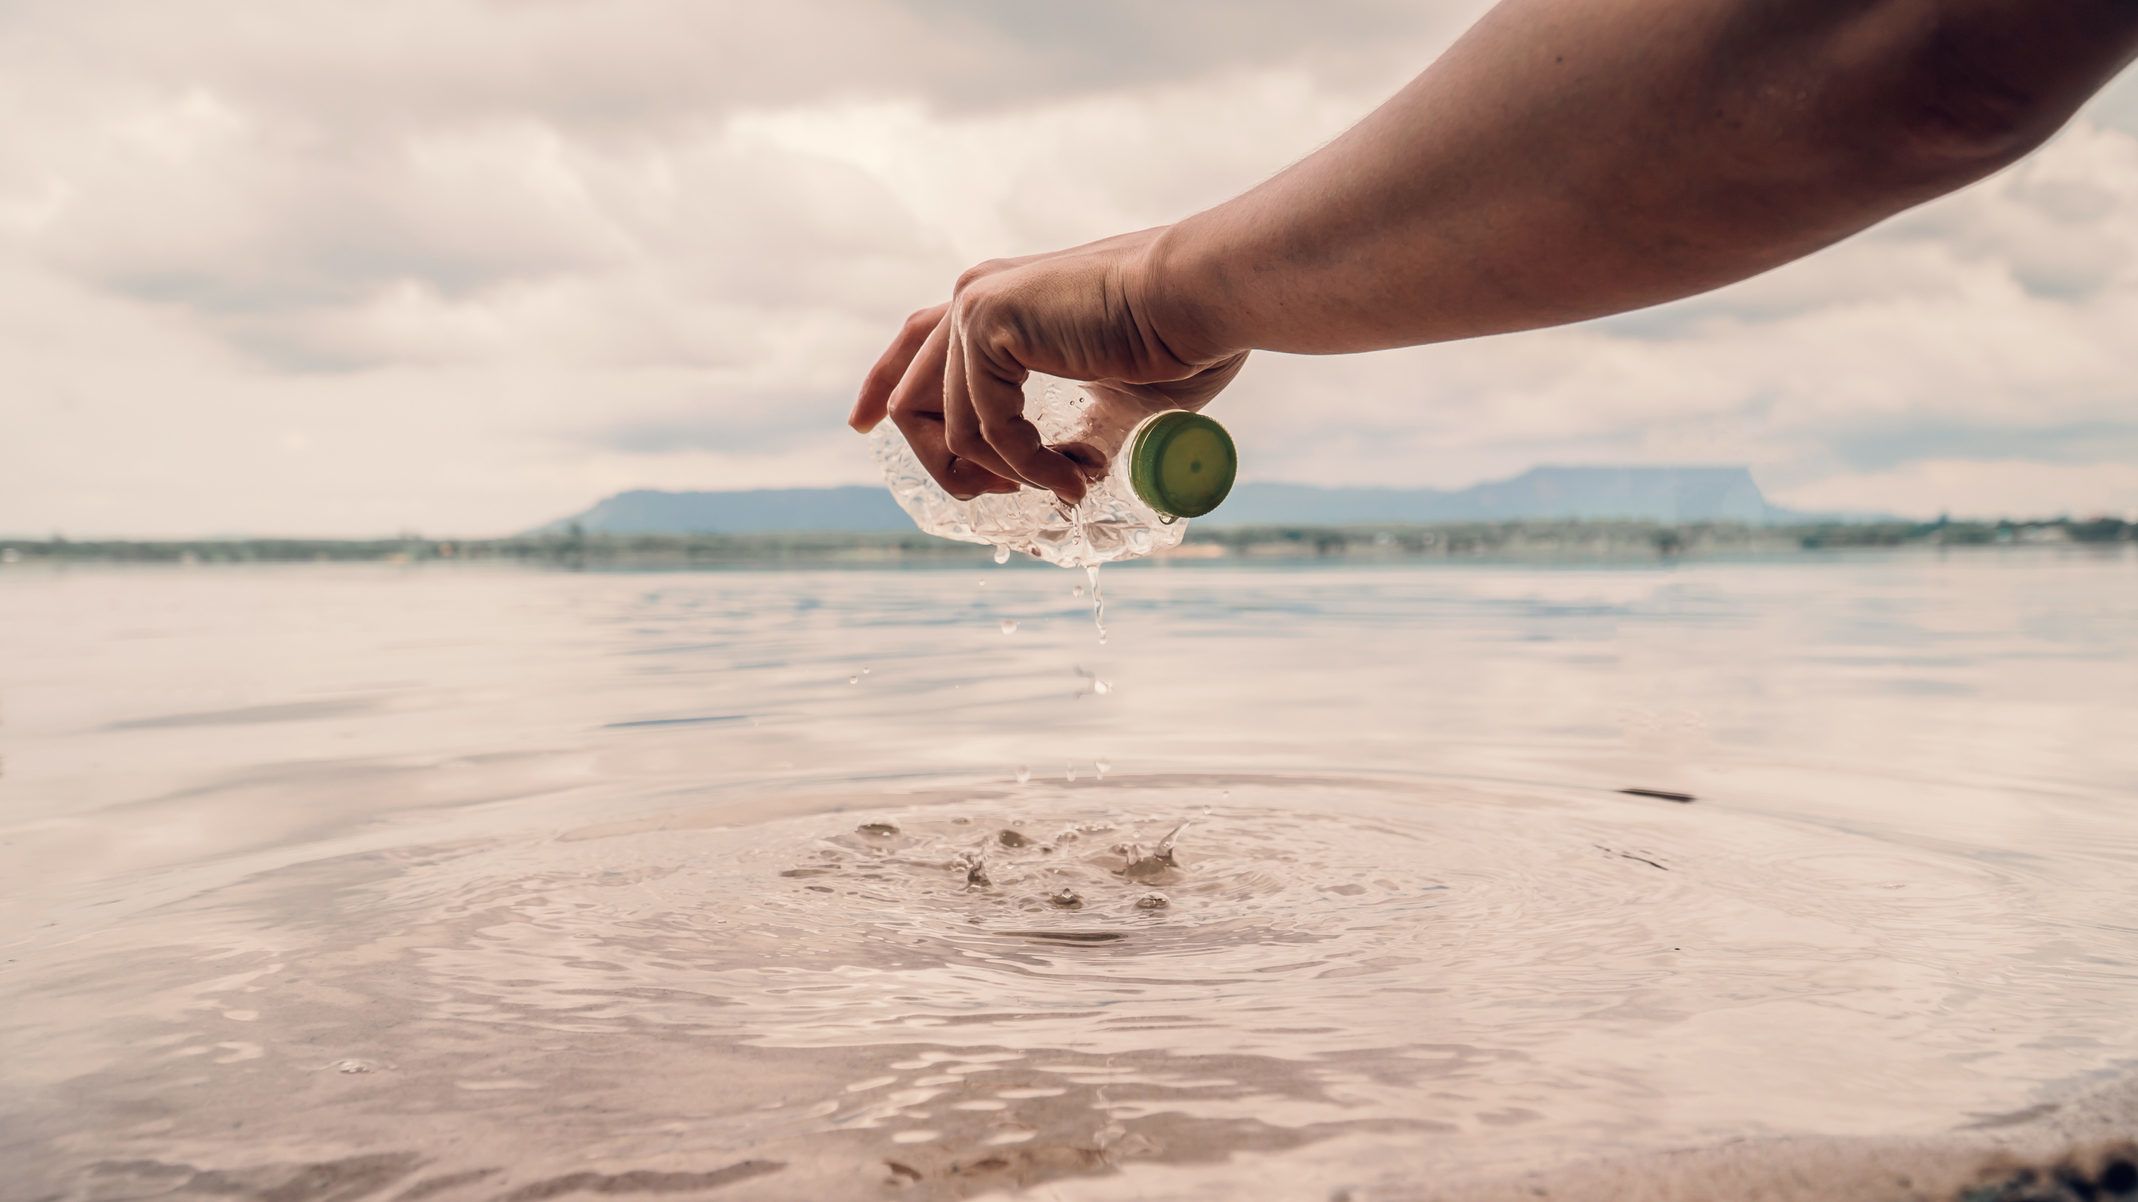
(1584, 542)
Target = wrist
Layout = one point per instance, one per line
(1173, 285)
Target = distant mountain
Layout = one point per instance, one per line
(1655, 494)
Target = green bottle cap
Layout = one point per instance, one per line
(1182, 464)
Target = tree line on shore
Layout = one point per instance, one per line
(1581, 539)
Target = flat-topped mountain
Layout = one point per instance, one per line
(1653, 494)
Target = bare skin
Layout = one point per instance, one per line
(1566, 159)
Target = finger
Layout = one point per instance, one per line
(1088, 459)
(891, 367)
(961, 478)
(996, 394)
(961, 424)
(915, 408)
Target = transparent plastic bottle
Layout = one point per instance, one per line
(1173, 466)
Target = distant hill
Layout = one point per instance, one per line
(1655, 494)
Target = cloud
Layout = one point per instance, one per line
(465, 265)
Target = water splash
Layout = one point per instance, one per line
(1098, 600)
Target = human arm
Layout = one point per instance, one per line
(1566, 159)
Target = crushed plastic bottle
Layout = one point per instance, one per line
(1174, 465)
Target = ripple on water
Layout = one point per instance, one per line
(1455, 937)
(1047, 979)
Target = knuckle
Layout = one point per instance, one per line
(977, 272)
(998, 344)
(965, 443)
(922, 319)
(1008, 429)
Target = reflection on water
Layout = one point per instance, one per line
(441, 884)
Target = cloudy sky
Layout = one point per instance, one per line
(463, 266)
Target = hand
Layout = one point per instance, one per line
(953, 380)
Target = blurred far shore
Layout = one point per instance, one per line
(1572, 513)
(1561, 540)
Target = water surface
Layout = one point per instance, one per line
(444, 883)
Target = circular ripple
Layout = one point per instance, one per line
(1289, 916)
(1419, 946)
(1161, 906)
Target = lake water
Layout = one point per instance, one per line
(444, 883)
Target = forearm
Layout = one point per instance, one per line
(1569, 159)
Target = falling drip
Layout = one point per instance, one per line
(1098, 600)
(1099, 686)
(1002, 554)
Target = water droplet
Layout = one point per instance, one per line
(1002, 554)
(1100, 686)
(1077, 592)
(1009, 626)
(1069, 772)
(1024, 774)
(1152, 901)
(1067, 899)
(856, 679)
(1102, 766)
(864, 671)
